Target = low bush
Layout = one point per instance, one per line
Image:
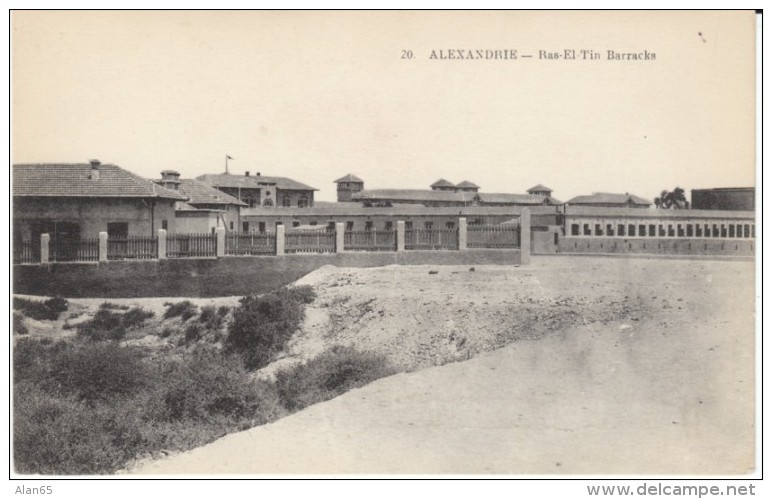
(47, 310)
(262, 325)
(18, 324)
(328, 375)
(105, 325)
(113, 306)
(136, 316)
(184, 309)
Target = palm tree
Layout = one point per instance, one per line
(672, 200)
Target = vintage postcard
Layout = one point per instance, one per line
(384, 243)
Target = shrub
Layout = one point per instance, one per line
(303, 294)
(136, 316)
(48, 310)
(262, 326)
(166, 332)
(184, 309)
(113, 306)
(57, 436)
(18, 324)
(105, 325)
(328, 375)
(192, 332)
(223, 310)
(207, 386)
(101, 371)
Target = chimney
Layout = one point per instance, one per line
(257, 174)
(95, 164)
(246, 173)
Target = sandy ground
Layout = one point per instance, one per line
(611, 366)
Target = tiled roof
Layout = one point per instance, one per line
(414, 195)
(609, 198)
(75, 180)
(524, 199)
(349, 178)
(253, 182)
(539, 188)
(199, 192)
(355, 209)
(467, 185)
(442, 183)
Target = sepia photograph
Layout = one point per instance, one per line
(384, 244)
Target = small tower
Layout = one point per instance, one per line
(348, 186)
(443, 185)
(467, 186)
(170, 179)
(540, 190)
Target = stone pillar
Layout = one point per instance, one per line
(279, 239)
(525, 236)
(161, 244)
(103, 246)
(44, 240)
(340, 230)
(462, 233)
(220, 232)
(400, 235)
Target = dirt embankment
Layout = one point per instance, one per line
(622, 366)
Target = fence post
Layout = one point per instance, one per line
(103, 246)
(220, 248)
(462, 233)
(44, 240)
(340, 230)
(400, 235)
(525, 236)
(161, 244)
(280, 239)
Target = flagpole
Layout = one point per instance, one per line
(226, 163)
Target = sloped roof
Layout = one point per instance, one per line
(685, 214)
(467, 185)
(414, 195)
(199, 192)
(74, 180)
(525, 199)
(442, 183)
(539, 188)
(609, 198)
(350, 178)
(253, 182)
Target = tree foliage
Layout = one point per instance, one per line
(672, 200)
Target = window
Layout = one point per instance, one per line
(428, 225)
(689, 230)
(598, 230)
(642, 230)
(408, 224)
(680, 229)
(245, 227)
(670, 230)
(661, 230)
(753, 230)
(296, 224)
(389, 225)
(746, 230)
(621, 229)
(631, 230)
(574, 229)
(652, 230)
(313, 224)
(350, 225)
(731, 230)
(303, 202)
(698, 230)
(723, 230)
(609, 230)
(715, 230)
(261, 227)
(268, 202)
(286, 201)
(369, 225)
(330, 225)
(450, 225)
(587, 231)
(231, 225)
(164, 224)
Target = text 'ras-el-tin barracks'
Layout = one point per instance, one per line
(101, 212)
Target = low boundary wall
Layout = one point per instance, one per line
(224, 276)
(657, 246)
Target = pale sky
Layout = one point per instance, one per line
(313, 96)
